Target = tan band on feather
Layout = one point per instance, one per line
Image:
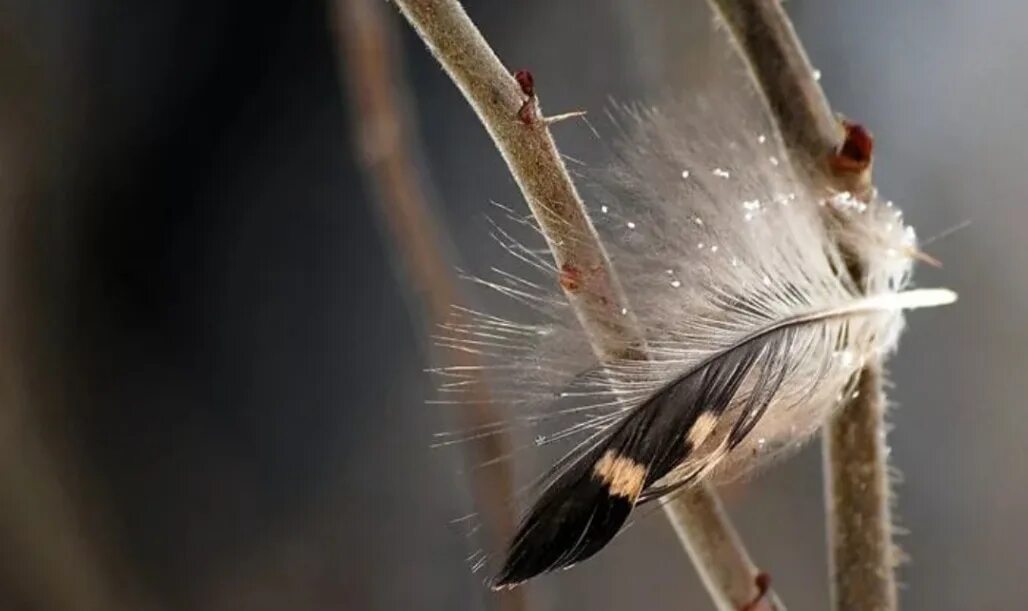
(622, 475)
(701, 429)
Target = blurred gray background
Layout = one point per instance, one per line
(212, 389)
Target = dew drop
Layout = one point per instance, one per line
(624, 311)
(773, 160)
(762, 138)
(604, 209)
(845, 201)
(676, 283)
(816, 74)
(713, 248)
(685, 173)
(720, 173)
(630, 225)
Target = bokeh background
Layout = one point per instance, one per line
(211, 385)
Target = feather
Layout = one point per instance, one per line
(754, 328)
(584, 508)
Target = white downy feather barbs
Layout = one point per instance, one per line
(755, 329)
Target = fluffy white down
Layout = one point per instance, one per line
(714, 240)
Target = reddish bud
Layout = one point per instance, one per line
(570, 277)
(526, 82)
(526, 114)
(760, 603)
(856, 151)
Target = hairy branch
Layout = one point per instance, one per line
(510, 113)
(717, 550)
(856, 470)
(859, 522)
(55, 529)
(768, 42)
(389, 149)
(530, 153)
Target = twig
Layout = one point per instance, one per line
(717, 550)
(372, 70)
(55, 529)
(500, 101)
(859, 521)
(532, 157)
(788, 82)
(856, 471)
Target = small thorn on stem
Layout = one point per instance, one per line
(526, 81)
(850, 164)
(760, 603)
(856, 151)
(526, 114)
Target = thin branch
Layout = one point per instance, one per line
(717, 550)
(524, 141)
(859, 522)
(531, 155)
(372, 71)
(55, 529)
(836, 155)
(769, 44)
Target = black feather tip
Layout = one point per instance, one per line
(576, 518)
(584, 507)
